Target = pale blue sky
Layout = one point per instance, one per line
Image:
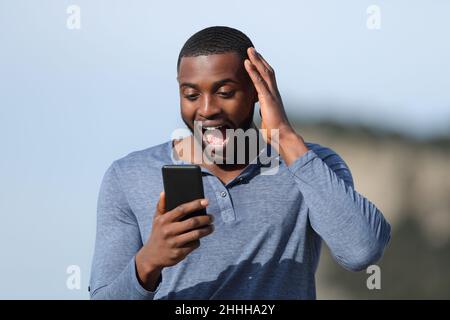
(72, 101)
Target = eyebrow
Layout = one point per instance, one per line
(216, 84)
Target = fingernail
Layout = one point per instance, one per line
(204, 202)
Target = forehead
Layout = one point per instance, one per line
(211, 67)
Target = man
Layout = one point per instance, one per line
(268, 225)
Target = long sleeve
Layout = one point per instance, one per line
(113, 272)
(353, 228)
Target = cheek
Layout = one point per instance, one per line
(187, 111)
(240, 108)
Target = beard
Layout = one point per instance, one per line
(214, 142)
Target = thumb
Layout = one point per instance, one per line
(161, 207)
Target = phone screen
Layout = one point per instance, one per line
(183, 183)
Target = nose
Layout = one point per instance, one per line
(208, 107)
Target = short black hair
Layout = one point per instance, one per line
(215, 40)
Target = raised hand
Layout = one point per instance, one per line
(273, 116)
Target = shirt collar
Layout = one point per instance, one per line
(267, 154)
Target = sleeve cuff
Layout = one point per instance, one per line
(302, 161)
(134, 278)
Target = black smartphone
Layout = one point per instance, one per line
(183, 183)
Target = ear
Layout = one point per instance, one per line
(255, 98)
(255, 94)
(251, 87)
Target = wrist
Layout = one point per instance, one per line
(286, 132)
(145, 263)
(147, 272)
(291, 145)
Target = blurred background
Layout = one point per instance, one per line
(85, 82)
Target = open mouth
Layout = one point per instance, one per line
(215, 135)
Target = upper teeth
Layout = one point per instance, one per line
(212, 128)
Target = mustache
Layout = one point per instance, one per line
(245, 125)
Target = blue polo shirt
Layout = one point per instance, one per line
(269, 226)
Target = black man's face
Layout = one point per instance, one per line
(216, 91)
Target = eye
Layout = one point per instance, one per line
(226, 94)
(191, 97)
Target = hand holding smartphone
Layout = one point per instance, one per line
(171, 240)
(182, 184)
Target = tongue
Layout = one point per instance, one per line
(215, 136)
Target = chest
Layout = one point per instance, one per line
(251, 204)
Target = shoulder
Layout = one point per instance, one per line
(142, 162)
(148, 156)
(333, 160)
